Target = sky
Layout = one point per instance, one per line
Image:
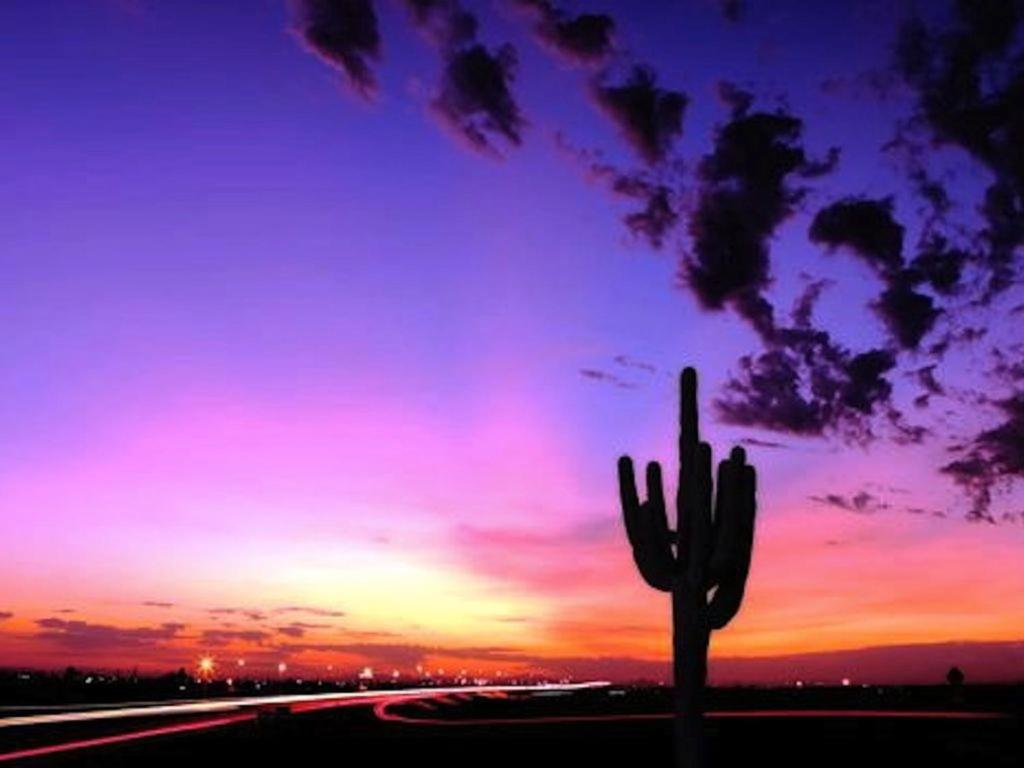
(325, 323)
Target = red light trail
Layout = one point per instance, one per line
(52, 749)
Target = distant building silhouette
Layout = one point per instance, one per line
(955, 677)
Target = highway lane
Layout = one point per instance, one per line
(383, 710)
(217, 713)
(119, 738)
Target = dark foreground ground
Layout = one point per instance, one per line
(581, 729)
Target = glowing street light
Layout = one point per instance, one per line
(206, 667)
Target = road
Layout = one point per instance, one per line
(552, 723)
(191, 716)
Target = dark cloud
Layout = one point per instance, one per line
(475, 98)
(310, 610)
(606, 377)
(736, 99)
(299, 628)
(1004, 210)
(658, 216)
(803, 307)
(805, 383)
(940, 265)
(809, 386)
(767, 393)
(907, 314)
(993, 457)
(344, 34)
(626, 361)
(930, 386)
(861, 502)
(962, 336)
(85, 636)
(4, 615)
(759, 443)
(814, 169)
(866, 226)
(157, 604)
(924, 511)
(926, 377)
(218, 637)
(969, 84)
(1006, 369)
(649, 117)
(659, 213)
(745, 193)
(586, 38)
(250, 613)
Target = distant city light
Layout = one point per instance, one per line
(366, 673)
(241, 662)
(206, 667)
(282, 668)
(846, 681)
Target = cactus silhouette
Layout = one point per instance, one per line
(707, 554)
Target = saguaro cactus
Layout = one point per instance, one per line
(703, 563)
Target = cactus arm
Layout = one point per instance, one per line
(727, 517)
(723, 523)
(647, 526)
(729, 595)
(656, 540)
(629, 499)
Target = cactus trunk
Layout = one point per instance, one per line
(690, 638)
(709, 550)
